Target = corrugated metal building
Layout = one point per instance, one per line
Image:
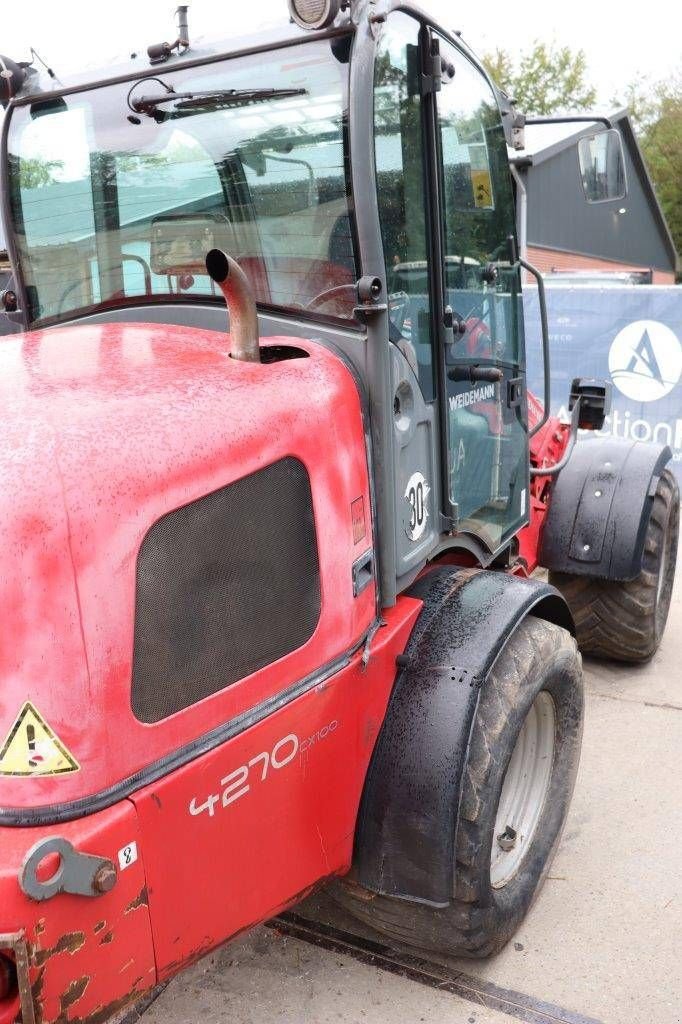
(564, 232)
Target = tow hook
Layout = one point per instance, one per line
(507, 839)
(79, 874)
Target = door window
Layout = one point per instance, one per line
(486, 418)
(400, 191)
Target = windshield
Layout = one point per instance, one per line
(118, 192)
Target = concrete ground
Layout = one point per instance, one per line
(603, 941)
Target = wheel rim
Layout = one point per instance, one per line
(524, 790)
(663, 572)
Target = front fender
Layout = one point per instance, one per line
(600, 507)
(405, 840)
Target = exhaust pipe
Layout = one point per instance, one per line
(241, 305)
(183, 27)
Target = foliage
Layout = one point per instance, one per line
(543, 80)
(36, 172)
(657, 115)
(132, 162)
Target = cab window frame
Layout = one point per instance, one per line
(421, 267)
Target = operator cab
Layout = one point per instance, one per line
(348, 148)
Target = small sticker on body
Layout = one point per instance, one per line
(33, 748)
(523, 502)
(127, 856)
(483, 190)
(357, 512)
(416, 496)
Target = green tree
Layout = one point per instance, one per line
(640, 99)
(656, 112)
(36, 172)
(543, 80)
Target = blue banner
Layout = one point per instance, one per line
(631, 336)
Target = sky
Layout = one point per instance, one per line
(74, 34)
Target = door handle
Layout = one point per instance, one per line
(491, 374)
(514, 392)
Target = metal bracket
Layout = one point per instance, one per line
(377, 13)
(369, 289)
(448, 524)
(16, 944)
(432, 71)
(79, 874)
(363, 572)
(364, 312)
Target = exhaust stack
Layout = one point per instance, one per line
(183, 27)
(241, 305)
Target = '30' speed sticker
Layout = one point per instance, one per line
(416, 495)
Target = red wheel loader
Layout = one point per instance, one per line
(271, 615)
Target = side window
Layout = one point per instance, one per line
(184, 173)
(53, 207)
(400, 188)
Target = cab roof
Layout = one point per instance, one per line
(204, 49)
(201, 50)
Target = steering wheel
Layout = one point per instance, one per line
(329, 294)
(478, 340)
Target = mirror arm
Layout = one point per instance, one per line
(572, 438)
(545, 342)
(572, 119)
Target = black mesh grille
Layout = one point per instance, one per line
(225, 585)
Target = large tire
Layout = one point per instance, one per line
(540, 659)
(626, 621)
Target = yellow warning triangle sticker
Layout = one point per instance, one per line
(32, 748)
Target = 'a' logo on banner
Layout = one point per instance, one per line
(645, 360)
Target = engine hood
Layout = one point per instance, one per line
(105, 428)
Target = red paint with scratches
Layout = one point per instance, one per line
(102, 946)
(105, 429)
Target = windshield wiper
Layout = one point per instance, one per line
(207, 98)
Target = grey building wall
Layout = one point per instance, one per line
(560, 218)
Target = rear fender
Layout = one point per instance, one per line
(600, 507)
(405, 839)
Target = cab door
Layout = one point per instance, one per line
(478, 288)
